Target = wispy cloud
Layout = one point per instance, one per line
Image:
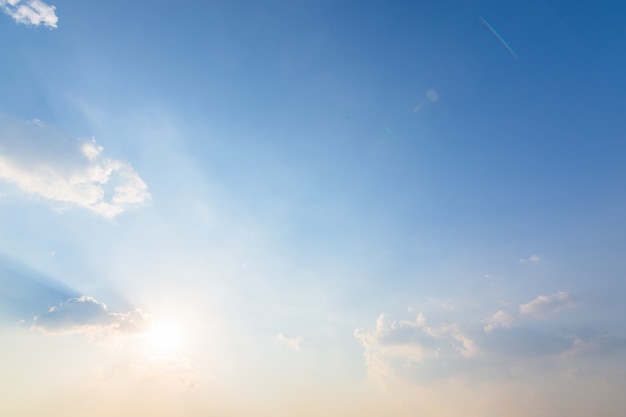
(39, 160)
(545, 305)
(531, 258)
(30, 12)
(497, 35)
(499, 319)
(86, 315)
(291, 342)
(519, 344)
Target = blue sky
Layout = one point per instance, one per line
(319, 207)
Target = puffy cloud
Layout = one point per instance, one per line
(544, 305)
(30, 12)
(39, 160)
(414, 351)
(89, 316)
(499, 319)
(412, 343)
(291, 342)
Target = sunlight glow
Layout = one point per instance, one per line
(165, 338)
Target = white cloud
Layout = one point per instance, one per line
(416, 352)
(531, 258)
(499, 319)
(411, 343)
(35, 122)
(291, 342)
(544, 305)
(40, 161)
(86, 315)
(30, 12)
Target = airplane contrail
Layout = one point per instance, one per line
(419, 106)
(506, 45)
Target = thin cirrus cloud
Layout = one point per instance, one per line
(86, 315)
(531, 258)
(30, 12)
(41, 161)
(544, 305)
(294, 343)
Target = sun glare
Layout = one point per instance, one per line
(165, 338)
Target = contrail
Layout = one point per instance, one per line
(419, 106)
(506, 45)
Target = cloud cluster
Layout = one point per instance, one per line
(40, 161)
(30, 12)
(411, 342)
(495, 348)
(540, 307)
(86, 315)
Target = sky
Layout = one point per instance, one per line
(278, 208)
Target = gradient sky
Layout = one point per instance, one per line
(279, 208)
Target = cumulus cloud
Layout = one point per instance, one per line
(30, 12)
(86, 315)
(545, 305)
(291, 342)
(411, 343)
(41, 161)
(494, 349)
(499, 319)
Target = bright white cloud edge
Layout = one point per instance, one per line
(420, 351)
(30, 12)
(87, 315)
(79, 174)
